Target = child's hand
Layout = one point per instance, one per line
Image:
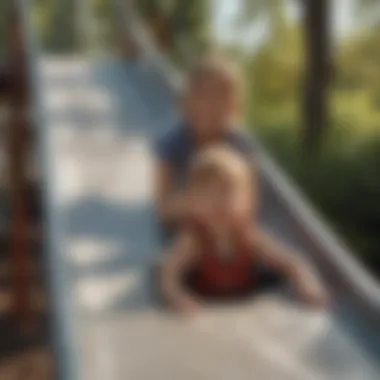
(189, 306)
(315, 295)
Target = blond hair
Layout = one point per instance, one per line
(220, 161)
(216, 66)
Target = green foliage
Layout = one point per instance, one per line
(106, 32)
(344, 181)
(61, 29)
(343, 184)
(183, 23)
(272, 10)
(273, 88)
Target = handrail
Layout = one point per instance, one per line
(134, 30)
(333, 252)
(316, 230)
(63, 336)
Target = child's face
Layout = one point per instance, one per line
(222, 200)
(211, 104)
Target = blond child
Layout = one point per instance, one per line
(222, 246)
(211, 109)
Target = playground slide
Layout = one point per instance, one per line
(102, 118)
(96, 120)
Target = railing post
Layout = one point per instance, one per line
(19, 244)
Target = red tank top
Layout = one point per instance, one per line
(216, 275)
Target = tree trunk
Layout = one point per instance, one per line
(317, 73)
(18, 144)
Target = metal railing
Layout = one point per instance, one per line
(137, 37)
(62, 327)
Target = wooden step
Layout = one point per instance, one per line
(33, 234)
(31, 364)
(35, 272)
(38, 301)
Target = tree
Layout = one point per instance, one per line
(178, 26)
(274, 70)
(273, 74)
(63, 25)
(317, 59)
(317, 72)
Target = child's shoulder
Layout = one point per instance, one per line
(176, 133)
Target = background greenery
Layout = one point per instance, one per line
(343, 179)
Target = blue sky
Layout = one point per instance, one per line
(224, 11)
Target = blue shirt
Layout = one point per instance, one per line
(177, 146)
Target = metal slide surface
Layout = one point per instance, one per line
(102, 117)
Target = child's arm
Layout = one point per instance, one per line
(298, 270)
(170, 204)
(179, 258)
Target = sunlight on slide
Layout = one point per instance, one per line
(97, 294)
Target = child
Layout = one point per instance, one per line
(212, 105)
(223, 248)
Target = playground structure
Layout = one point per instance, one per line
(94, 120)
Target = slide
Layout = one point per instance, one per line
(96, 120)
